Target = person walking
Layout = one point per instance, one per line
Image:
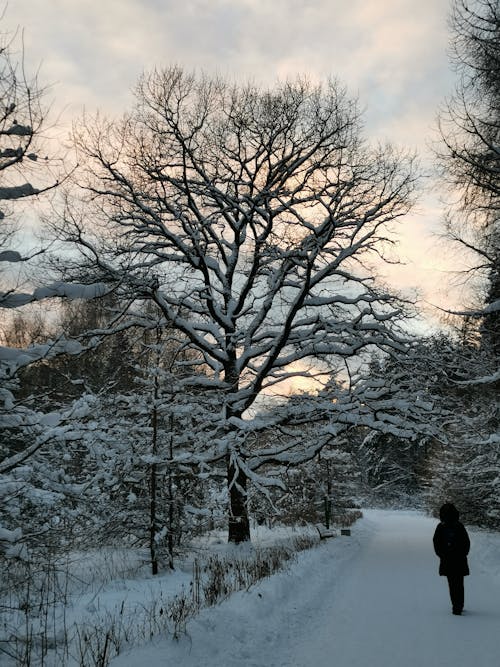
(452, 544)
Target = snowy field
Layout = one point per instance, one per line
(371, 600)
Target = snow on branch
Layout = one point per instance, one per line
(13, 358)
(18, 191)
(482, 380)
(58, 289)
(493, 307)
(18, 130)
(10, 256)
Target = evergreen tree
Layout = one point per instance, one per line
(470, 127)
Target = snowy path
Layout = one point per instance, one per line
(373, 600)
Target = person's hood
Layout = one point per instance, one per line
(449, 513)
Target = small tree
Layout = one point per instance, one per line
(249, 217)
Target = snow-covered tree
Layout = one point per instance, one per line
(26, 172)
(453, 452)
(470, 127)
(28, 422)
(323, 490)
(22, 119)
(249, 217)
(410, 387)
(464, 461)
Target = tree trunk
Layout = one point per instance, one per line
(152, 522)
(171, 497)
(153, 519)
(328, 497)
(239, 525)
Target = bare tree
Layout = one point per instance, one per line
(22, 117)
(470, 128)
(26, 172)
(249, 217)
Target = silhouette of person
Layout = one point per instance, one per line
(452, 544)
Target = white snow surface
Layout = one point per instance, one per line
(370, 600)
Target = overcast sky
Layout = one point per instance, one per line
(391, 54)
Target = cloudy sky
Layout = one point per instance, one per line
(391, 54)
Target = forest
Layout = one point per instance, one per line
(198, 339)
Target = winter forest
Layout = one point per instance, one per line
(195, 344)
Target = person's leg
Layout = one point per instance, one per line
(456, 586)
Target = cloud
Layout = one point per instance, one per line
(383, 48)
(390, 53)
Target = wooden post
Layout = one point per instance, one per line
(328, 511)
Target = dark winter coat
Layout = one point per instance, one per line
(452, 544)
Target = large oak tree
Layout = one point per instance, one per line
(249, 216)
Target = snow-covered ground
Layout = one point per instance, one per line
(370, 600)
